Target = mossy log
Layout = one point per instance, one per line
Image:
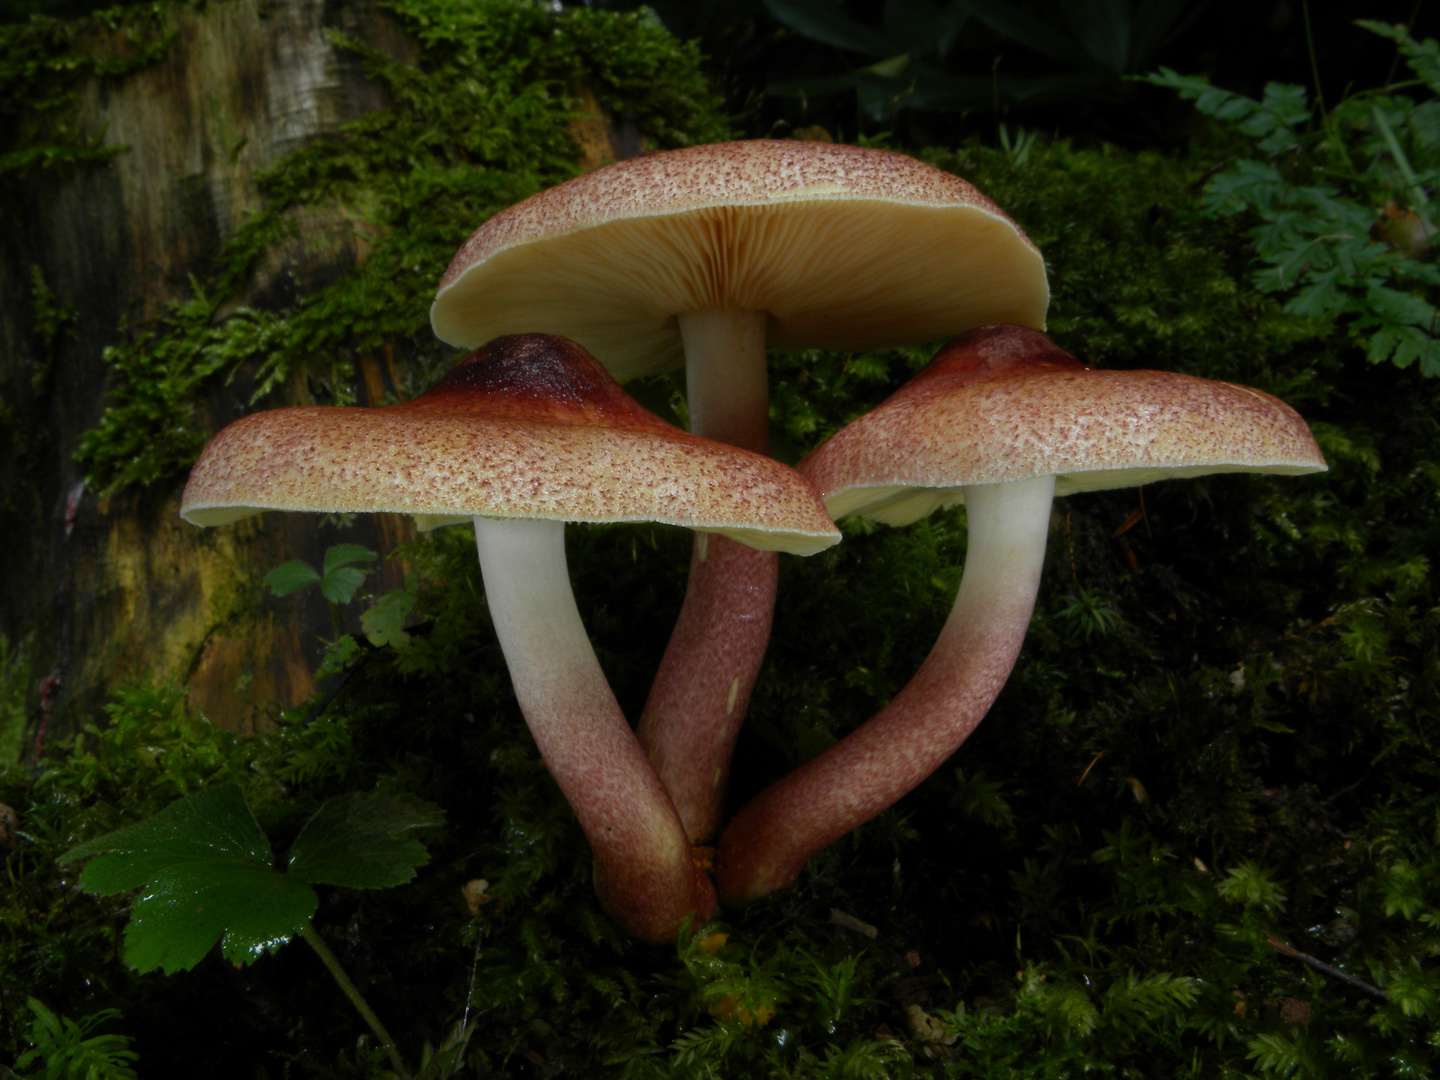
(110, 587)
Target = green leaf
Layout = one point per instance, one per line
(288, 577)
(981, 798)
(1404, 890)
(1403, 346)
(339, 585)
(384, 624)
(1414, 989)
(1248, 884)
(358, 841)
(338, 582)
(338, 555)
(342, 576)
(211, 822)
(206, 870)
(61, 1045)
(1422, 56)
(253, 908)
(1046, 38)
(1275, 1053)
(1283, 108)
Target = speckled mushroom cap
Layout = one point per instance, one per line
(842, 246)
(1006, 403)
(528, 426)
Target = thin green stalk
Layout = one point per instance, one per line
(329, 959)
(1417, 193)
(1314, 60)
(1327, 126)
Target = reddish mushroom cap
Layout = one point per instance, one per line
(1004, 403)
(527, 426)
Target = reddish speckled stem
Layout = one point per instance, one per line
(776, 833)
(698, 701)
(644, 874)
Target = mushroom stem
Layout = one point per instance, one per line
(726, 389)
(772, 837)
(698, 700)
(644, 875)
(702, 687)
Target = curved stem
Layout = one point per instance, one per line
(770, 840)
(698, 699)
(644, 874)
(332, 964)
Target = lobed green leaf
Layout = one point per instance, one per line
(205, 870)
(361, 841)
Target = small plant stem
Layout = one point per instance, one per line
(1327, 969)
(1314, 60)
(329, 959)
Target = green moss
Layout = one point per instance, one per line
(52, 322)
(15, 696)
(479, 122)
(43, 63)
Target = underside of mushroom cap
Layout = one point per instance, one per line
(1004, 403)
(842, 246)
(525, 427)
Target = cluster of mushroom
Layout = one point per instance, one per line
(703, 257)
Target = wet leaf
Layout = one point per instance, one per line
(358, 840)
(206, 873)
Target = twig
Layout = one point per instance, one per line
(1327, 969)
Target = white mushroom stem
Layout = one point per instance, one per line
(774, 835)
(702, 688)
(644, 874)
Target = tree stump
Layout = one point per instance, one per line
(108, 589)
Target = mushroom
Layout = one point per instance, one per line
(1001, 419)
(706, 254)
(523, 435)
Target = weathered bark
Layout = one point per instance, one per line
(112, 588)
(116, 587)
